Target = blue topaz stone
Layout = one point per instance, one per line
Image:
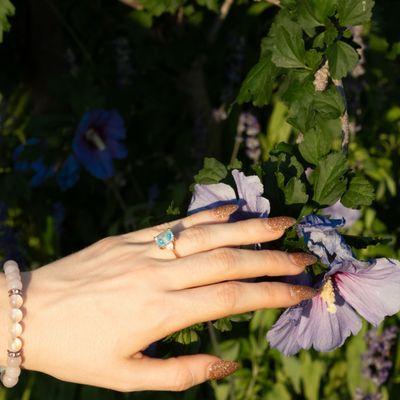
(165, 239)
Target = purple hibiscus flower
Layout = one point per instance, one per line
(338, 210)
(98, 140)
(371, 288)
(248, 198)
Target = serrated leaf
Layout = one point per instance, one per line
(329, 103)
(223, 325)
(326, 38)
(6, 10)
(361, 242)
(354, 12)
(289, 51)
(236, 164)
(315, 145)
(313, 59)
(342, 59)
(360, 193)
(329, 180)
(257, 87)
(295, 192)
(213, 171)
(313, 13)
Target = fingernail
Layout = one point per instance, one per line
(225, 211)
(302, 259)
(301, 293)
(279, 223)
(221, 369)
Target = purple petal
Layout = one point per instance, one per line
(250, 189)
(338, 210)
(210, 196)
(325, 331)
(373, 291)
(283, 335)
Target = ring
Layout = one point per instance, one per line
(166, 240)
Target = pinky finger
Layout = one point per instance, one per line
(173, 374)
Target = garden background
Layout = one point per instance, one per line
(181, 80)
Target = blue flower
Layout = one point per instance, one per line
(40, 170)
(68, 175)
(97, 142)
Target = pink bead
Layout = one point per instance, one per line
(16, 300)
(13, 371)
(15, 344)
(14, 361)
(14, 284)
(9, 381)
(16, 329)
(10, 266)
(16, 314)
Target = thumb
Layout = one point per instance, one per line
(175, 373)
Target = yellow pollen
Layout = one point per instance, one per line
(328, 295)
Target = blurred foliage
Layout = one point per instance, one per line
(180, 73)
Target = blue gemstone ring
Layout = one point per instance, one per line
(166, 240)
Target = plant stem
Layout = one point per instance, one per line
(236, 147)
(224, 11)
(213, 338)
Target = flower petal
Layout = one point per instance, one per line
(250, 189)
(373, 291)
(211, 196)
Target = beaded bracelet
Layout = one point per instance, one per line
(10, 373)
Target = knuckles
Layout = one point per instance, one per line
(228, 294)
(225, 259)
(199, 235)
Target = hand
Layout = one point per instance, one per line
(88, 316)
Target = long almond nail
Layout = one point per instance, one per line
(279, 223)
(221, 369)
(301, 293)
(225, 211)
(302, 259)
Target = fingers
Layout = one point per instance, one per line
(229, 264)
(212, 302)
(173, 374)
(215, 215)
(206, 237)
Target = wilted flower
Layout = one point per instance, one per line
(249, 198)
(376, 360)
(97, 142)
(338, 210)
(371, 288)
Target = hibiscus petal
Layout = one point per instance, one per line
(325, 331)
(373, 291)
(210, 196)
(250, 189)
(283, 335)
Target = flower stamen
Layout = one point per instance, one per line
(95, 138)
(328, 295)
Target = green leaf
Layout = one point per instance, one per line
(360, 193)
(313, 13)
(186, 335)
(342, 59)
(236, 164)
(289, 51)
(329, 103)
(213, 172)
(295, 192)
(313, 59)
(223, 325)
(315, 145)
(172, 209)
(326, 38)
(257, 87)
(354, 12)
(210, 4)
(6, 10)
(328, 179)
(361, 242)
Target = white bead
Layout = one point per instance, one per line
(14, 284)
(16, 329)
(13, 371)
(9, 381)
(15, 344)
(16, 300)
(10, 266)
(13, 275)
(14, 361)
(16, 314)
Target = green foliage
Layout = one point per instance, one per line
(359, 193)
(342, 59)
(6, 10)
(354, 12)
(213, 172)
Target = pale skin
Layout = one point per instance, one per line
(88, 316)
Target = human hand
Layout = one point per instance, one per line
(90, 315)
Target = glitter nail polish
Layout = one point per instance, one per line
(301, 293)
(221, 369)
(302, 259)
(279, 223)
(225, 211)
